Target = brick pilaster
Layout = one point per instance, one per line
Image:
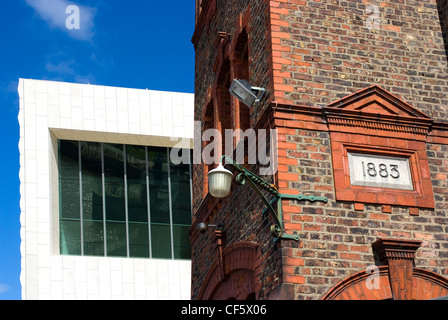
(399, 255)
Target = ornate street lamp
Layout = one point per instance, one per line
(220, 180)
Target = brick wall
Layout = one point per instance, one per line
(242, 220)
(323, 50)
(224, 17)
(312, 53)
(437, 228)
(308, 54)
(336, 238)
(443, 12)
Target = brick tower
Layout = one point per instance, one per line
(357, 92)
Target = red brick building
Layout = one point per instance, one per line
(358, 94)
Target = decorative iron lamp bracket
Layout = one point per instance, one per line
(258, 183)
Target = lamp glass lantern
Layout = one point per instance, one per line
(219, 181)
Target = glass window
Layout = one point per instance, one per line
(181, 207)
(159, 202)
(114, 191)
(137, 192)
(92, 199)
(70, 239)
(69, 197)
(123, 200)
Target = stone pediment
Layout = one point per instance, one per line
(374, 124)
(374, 108)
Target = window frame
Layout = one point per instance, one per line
(58, 204)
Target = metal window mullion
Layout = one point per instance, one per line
(81, 213)
(170, 204)
(126, 200)
(103, 186)
(148, 202)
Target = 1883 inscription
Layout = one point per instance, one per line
(379, 171)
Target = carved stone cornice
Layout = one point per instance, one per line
(398, 255)
(397, 249)
(377, 123)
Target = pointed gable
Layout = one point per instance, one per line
(376, 100)
(378, 112)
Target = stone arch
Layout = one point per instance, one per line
(233, 277)
(362, 286)
(396, 278)
(425, 285)
(428, 285)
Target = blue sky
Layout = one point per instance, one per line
(132, 43)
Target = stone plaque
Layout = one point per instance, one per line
(379, 171)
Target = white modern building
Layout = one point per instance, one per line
(104, 209)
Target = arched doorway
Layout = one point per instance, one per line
(239, 285)
(233, 278)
